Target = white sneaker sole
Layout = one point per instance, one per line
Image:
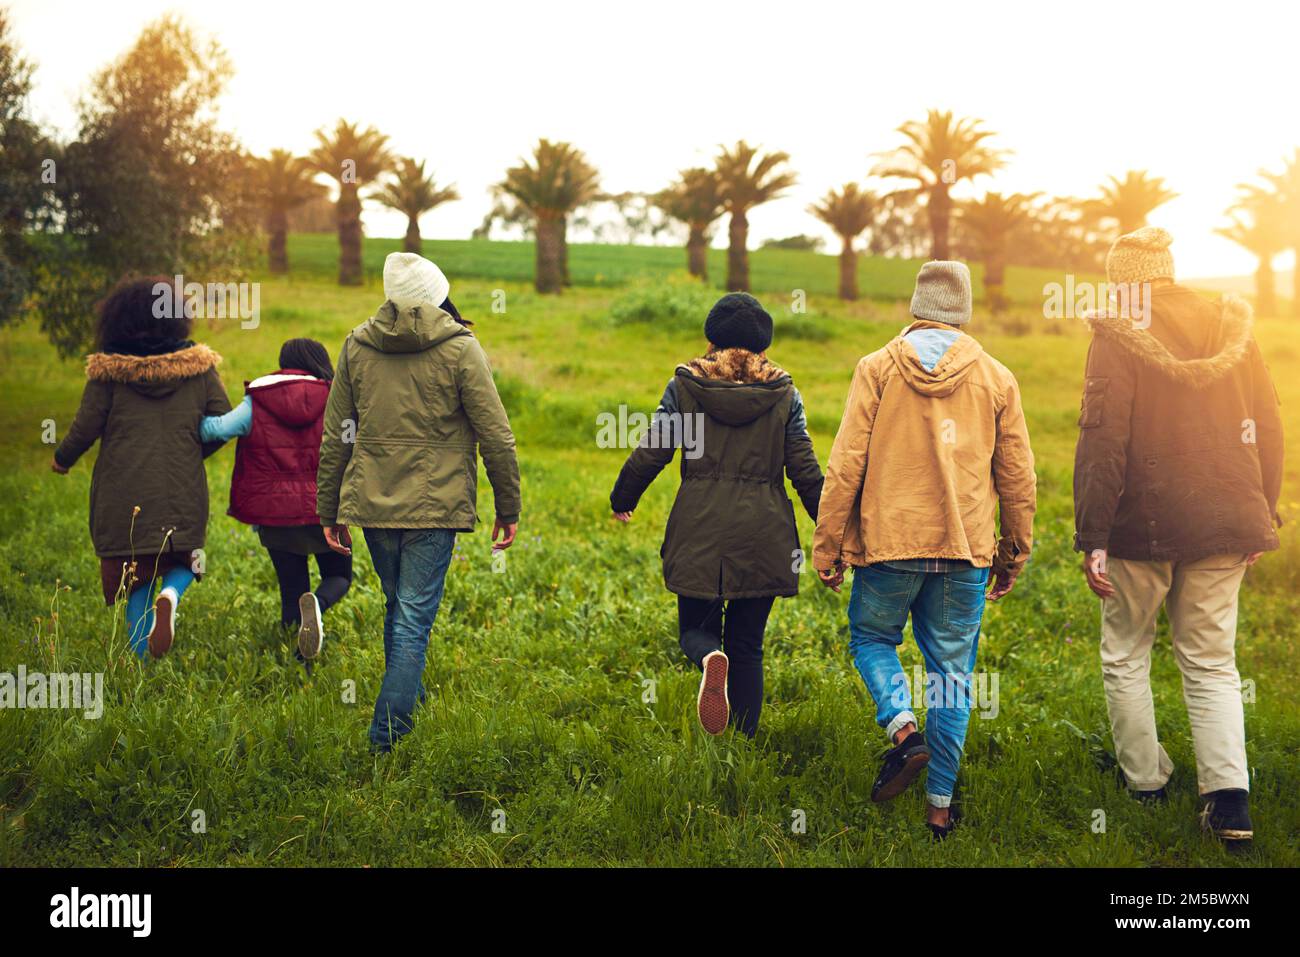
(311, 634)
(163, 632)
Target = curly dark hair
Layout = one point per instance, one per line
(130, 313)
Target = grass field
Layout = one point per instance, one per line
(537, 720)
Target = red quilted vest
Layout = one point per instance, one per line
(274, 482)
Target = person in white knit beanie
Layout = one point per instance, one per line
(411, 280)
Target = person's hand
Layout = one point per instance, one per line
(623, 517)
(1251, 559)
(1003, 581)
(338, 538)
(507, 532)
(832, 578)
(54, 464)
(1094, 567)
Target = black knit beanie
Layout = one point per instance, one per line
(739, 321)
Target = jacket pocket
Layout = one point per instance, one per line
(1094, 399)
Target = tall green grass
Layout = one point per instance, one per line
(539, 706)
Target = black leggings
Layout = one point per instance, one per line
(707, 626)
(291, 570)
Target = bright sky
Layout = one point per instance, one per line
(1199, 93)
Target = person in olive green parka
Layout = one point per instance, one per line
(411, 405)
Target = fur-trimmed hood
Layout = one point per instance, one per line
(1225, 336)
(151, 372)
(734, 365)
(734, 386)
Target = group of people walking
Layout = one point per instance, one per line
(928, 496)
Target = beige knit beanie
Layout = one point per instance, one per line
(1141, 256)
(411, 280)
(943, 292)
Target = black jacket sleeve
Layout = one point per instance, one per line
(1101, 456)
(649, 458)
(801, 463)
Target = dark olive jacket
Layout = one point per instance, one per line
(146, 411)
(731, 533)
(1180, 434)
(411, 405)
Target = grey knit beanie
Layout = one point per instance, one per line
(943, 293)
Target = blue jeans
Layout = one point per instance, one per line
(946, 609)
(412, 567)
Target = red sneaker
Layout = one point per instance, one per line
(712, 704)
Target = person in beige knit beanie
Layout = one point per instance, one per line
(1141, 256)
(1177, 475)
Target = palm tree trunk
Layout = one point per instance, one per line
(697, 253)
(277, 250)
(412, 243)
(994, 270)
(738, 253)
(1265, 288)
(349, 224)
(939, 209)
(848, 271)
(1295, 284)
(562, 231)
(550, 264)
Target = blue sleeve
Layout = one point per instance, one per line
(797, 425)
(222, 428)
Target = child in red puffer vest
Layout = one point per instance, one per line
(273, 487)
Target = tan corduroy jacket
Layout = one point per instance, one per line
(924, 457)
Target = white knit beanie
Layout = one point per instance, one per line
(943, 292)
(411, 280)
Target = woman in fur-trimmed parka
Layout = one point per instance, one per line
(731, 546)
(148, 388)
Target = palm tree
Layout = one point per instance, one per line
(352, 157)
(1258, 223)
(848, 211)
(747, 179)
(940, 152)
(990, 222)
(1286, 186)
(413, 193)
(1129, 201)
(282, 182)
(550, 185)
(696, 200)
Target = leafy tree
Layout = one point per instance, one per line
(1129, 201)
(695, 199)
(550, 185)
(940, 152)
(151, 184)
(283, 183)
(849, 211)
(1258, 224)
(353, 157)
(991, 222)
(413, 193)
(1285, 185)
(747, 178)
(25, 193)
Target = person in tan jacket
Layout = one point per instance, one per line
(933, 443)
